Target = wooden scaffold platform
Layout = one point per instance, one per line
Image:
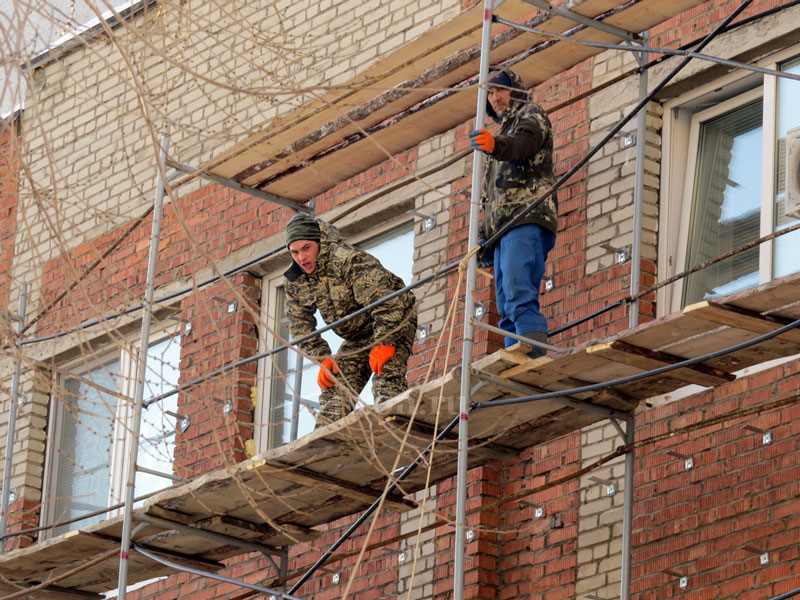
(279, 497)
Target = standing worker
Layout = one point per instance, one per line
(337, 279)
(519, 170)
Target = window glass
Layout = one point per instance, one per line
(83, 445)
(84, 458)
(157, 429)
(283, 383)
(726, 203)
(395, 250)
(788, 117)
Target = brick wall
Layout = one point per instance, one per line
(540, 553)
(692, 522)
(9, 165)
(740, 493)
(224, 330)
(217, 73)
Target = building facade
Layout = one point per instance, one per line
(76, 183)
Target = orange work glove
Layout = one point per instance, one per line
(324, 378)
(482, 140)
(378, 357)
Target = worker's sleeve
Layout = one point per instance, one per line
(371, 281)
(527, 138)
(302, 321)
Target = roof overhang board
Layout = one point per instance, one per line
(284, 158)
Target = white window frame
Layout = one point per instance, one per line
(125, 353)
(270, 285)
(680, 149)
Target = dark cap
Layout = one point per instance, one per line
(302, 227)
(500, 79)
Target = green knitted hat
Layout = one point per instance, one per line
(302, 227)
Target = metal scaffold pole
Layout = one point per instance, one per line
(633, 317)
(638, 190)
(627, 511)
(8, 463)
(141, 364)
(469, 304)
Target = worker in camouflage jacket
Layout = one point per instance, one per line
(519, 169)
(337, 279)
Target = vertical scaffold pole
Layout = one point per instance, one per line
(638, 189)
(8, 463)
(627, 511)
(141, 364)
(469, 304)
(298, 385)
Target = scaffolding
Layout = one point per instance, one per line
(552, 395)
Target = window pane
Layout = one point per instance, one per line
(726, 204)
(283, 382)
(785, 258)
(157, 432)
(83, 445)
(395, 250)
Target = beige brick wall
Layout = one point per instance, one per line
(416, 574)
(215, 72)
(430, 252)
(610, 208)
(611, 180)
(30, 435)
(600, 515)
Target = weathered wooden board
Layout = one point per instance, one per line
(57, 556)
(436, 60)
(53, 593)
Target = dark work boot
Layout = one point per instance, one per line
(539, 336)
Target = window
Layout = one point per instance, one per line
(395, 249)
(90, 414)
(82, 447)
(724, 181)
(157, 429)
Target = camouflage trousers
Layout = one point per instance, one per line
(354, 373)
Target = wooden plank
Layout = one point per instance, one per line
(309, 478)
(67, 551)
(258, 532)
(488, 449)
(276, 149)
(54, 593)
(741, 318)
(545, 370)
(781, 296)
(646, 360)
(405, 64)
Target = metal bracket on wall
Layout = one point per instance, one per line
(428, 221)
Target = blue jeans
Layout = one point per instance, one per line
(519, 258)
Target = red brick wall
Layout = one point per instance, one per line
(22, 515)
(539, 559)
(739, 493)
(9, 168)
(484, 553)
(209, 224)
(375, 578)
(218, 338)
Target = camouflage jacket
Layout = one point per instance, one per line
(345, 280)
(521, 167)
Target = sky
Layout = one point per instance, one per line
(28, 27)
